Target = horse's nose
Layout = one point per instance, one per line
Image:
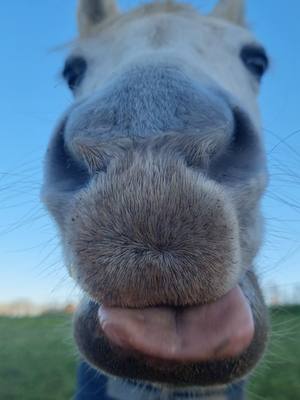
(149, 101)
(152, 231)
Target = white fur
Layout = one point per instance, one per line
(205, 45)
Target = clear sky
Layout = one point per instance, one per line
(33, 97)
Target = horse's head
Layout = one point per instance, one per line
(154, 177)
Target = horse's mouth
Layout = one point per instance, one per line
(215, 331)
(206, 345)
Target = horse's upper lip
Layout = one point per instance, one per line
(219, 330)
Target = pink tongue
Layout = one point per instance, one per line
(215, 331)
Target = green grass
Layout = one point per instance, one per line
(38, 359)
(278, 376)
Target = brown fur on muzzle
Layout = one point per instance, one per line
(151, 231)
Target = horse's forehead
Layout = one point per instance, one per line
(182, 36)
(182, 17)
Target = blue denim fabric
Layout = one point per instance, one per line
(92, 385)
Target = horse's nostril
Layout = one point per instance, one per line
(244, 137)
(200, 151)
(96, 155)
(63, 173)
(90, 155)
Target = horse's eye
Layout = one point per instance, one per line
(74, 71)
(255, 59)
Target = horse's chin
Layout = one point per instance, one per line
(141, 344)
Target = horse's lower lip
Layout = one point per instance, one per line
(215, 331)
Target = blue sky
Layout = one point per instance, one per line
(33, 97)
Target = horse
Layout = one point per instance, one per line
(154, 176)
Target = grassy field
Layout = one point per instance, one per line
(38, 360)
